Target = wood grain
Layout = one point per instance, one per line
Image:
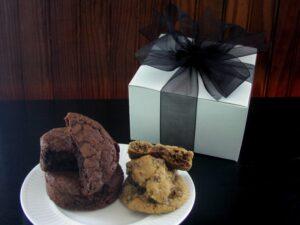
(35, 49)
(123, 44)
(284, 64)
(65, 48)
(238, 12)
(95, 49)
(84, 49)
(255, 16)
(214, 6)
(145, 16)
(294, 83)
(187, 6)
(11, 79)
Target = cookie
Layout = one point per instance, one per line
(137, 149)
(175, 157)
(134, 198)
(57, 151)
(97, 153)
(153, 175)
(151, 187)
(64, 189)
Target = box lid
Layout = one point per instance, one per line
(151, 78)
(155, 79)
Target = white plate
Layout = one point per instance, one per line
(41, 210)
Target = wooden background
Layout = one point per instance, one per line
(84, 49)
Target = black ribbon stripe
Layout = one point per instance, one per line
(207, 47)
(178, 107)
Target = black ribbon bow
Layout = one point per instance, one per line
(207, 47)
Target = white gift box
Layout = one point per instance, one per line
(220, 124)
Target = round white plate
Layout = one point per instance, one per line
(41, 210)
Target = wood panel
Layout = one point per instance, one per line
(123, 43)
(84, 49)
(206, 7)
(294, 83)
(284, 64)
(35, 49)
(65, 48)
(187, 6)
(11, 79)
(95, 49)
(146, 11)
(255, 16)
(214, 6)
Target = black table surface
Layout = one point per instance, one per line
(263, 187)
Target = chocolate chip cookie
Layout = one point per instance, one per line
(152, 187)
(153, 175)
(135, 199)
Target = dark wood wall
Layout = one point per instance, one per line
(84, 49)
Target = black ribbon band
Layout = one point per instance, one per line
(178, 107)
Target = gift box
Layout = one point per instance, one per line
(193, 91)
(219, 126)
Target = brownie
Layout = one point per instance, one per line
(58, 151)
(97, 153)
(175, 157)
(64, 189)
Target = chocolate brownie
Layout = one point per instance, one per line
(175, 157)
(58, 151)
(64, 189)
(98, 153)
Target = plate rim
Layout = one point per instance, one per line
(74, 222)
(22, 194)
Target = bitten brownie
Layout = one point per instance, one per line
(64, 189)
(98, 153)
(81, 164)
(58, 151)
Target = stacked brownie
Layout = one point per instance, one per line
(81, 164)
